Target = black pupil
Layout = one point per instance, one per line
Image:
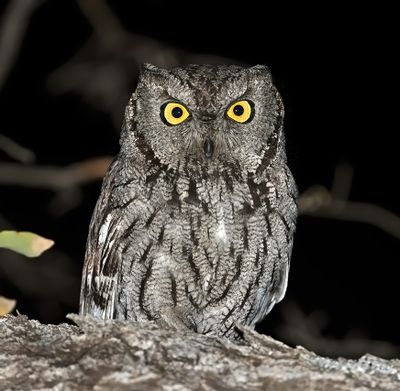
(238, 110)
(177, 112)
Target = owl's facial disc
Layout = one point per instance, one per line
(207, 117)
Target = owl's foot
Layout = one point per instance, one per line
(172, 318)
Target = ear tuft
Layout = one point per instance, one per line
(147, 68)
(152, 76)
(261, 72)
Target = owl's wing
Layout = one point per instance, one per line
(284, 224)
(266, 300)
(279, 278)
(102, 260)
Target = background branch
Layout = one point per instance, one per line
(54, 178)
(318, 201)
(106, 67)
(308, 330)
(13, 25)
(16, 151)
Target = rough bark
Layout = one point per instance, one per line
(111, 355)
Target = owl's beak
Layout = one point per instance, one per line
(208, 147)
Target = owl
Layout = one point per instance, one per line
(194, 225)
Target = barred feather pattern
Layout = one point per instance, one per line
(193, 243)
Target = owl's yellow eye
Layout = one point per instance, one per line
(174, 113)
(241, 111)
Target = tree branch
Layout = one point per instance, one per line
(54, 178)
(116, 355)
(16, 151)
(12, 31)
(318, 201)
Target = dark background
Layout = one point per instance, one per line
(337, 73)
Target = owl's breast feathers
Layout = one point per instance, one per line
(216, 250)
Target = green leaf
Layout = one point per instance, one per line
(26, 243)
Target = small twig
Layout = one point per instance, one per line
(318, 201)
(312, 199)
(361, 212)
(135, 47)
(12, 30)
(342, 181)
(307, 330)
(54, 178)
(104, 22)
(16, 151)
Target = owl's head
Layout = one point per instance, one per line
(204, 118)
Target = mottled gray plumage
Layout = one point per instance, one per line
(194, 225)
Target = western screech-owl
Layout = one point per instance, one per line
(194, 225)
